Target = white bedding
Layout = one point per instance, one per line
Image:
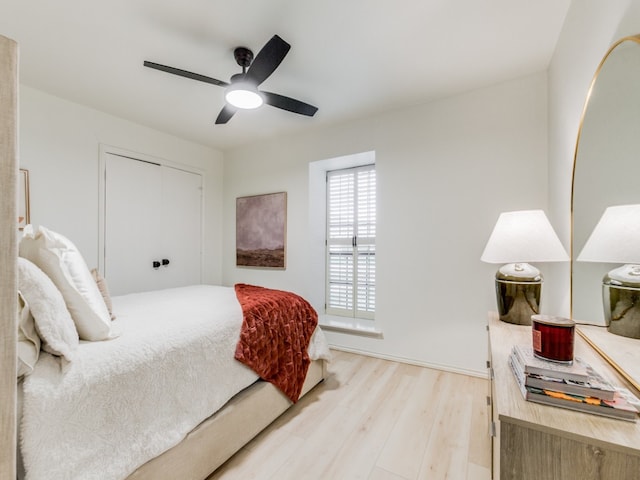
(124, 401)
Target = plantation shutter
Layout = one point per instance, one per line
(351, 246)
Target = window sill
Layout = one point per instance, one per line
(353, 326)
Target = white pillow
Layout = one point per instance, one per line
(28, 339)
(52, 320)
(104, 291)
(63, 263)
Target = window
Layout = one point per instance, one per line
(351, 242)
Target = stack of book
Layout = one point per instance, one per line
(576, 387)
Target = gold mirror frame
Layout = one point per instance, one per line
(604, 342)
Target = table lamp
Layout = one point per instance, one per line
(517, 238)
(616, 239)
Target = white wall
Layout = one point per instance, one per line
(445, 172)
(59, 145)
(452, 165)
(590, 28)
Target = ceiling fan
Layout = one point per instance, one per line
(242, 89)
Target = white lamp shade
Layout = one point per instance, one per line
(616, 237)
(524, 236)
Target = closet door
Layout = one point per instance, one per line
(133, 198)
(153, 231)
(181, 229)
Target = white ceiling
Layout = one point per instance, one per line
(350, 58)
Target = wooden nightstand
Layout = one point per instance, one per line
(547, 443)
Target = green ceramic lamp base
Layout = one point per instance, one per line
(621, 299)
(518, 287)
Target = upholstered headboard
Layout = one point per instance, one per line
(8, 252)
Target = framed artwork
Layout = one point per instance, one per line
(24, 218)
(261, 224)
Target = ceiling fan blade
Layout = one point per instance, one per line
(267, 60)
(225, 114)
(290, 104)
(184, 73)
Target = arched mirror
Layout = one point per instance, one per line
(606, 166)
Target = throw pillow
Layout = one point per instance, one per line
(104, 291)
(59, 258)
(28, 339)
(51, 317)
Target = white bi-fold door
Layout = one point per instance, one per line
(152, 225)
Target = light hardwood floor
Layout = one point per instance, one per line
(377, 420)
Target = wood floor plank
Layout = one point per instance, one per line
(336, 390)
(380, 410)
(381, 474)
(260, 460)
(374, 419)
(311, 458)
(478, 472)
(404, 450)
(447, 451)
(480, 441)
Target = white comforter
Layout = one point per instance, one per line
(125, 401)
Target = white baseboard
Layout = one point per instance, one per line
(393, 358)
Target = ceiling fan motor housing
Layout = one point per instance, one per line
(243, 56)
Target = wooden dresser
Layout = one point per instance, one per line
(541, 442)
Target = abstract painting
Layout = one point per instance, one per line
(261, 230)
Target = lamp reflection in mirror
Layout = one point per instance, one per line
(518, 238)
(616, 239)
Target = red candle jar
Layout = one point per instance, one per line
(553, 338)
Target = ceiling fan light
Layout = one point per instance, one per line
(243, 96)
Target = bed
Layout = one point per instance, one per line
(172, 389)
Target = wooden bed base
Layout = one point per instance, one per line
(217, 438)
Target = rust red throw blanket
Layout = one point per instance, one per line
(275, 334)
